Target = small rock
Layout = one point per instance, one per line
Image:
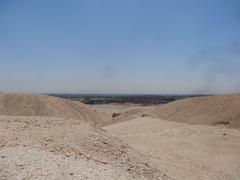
(115, 115)
(104, 162)
(80, 153)
(69, 154)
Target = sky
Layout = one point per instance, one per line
(120, 46)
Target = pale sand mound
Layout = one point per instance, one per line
(70, 145)
(213, 110)
(43, 105)
(183, 151)
(131, 114)
(115, 113)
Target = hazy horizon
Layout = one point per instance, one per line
(120, 47)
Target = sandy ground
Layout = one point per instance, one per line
(30, 141)
(126, 111)
(44, 137)
(27, 163)
(184, 151)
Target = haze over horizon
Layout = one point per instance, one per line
(127, 46)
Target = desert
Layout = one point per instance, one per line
(120, 90)
(39, 141)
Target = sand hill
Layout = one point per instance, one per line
(55, 148)
(43, 105)
(115, 113)
(42, 138)
(213, 110)
(130, 114)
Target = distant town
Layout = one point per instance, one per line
(118, 98)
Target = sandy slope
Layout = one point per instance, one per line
(221, 110)
(43, 105)
(26, 163)
(126, 112)
(45, 148)
(183, 151)
(36, 146)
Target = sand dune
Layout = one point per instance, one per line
(184, 151)
(66, 142)
(223, 110)
(43, 105)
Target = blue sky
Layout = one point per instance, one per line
(120, 46)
